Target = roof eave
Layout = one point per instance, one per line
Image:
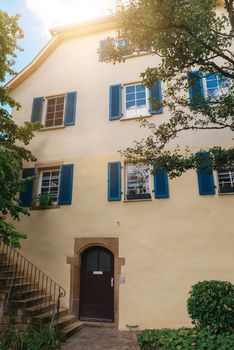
(59, 34)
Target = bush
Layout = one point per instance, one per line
(43, 201)
(184, 339)
(211, 305)
(42, 338)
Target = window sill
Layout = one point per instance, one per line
(52, 128)
(39, 208)
(135, 118)
(137, 200)
(225, 193)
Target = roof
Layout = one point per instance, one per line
(60, 34)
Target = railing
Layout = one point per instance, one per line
(37, 286)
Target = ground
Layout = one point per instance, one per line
(95, 338)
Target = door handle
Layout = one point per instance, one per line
(112, 282)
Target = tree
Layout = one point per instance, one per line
(184, 34)
(13, 138)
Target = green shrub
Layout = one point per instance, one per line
(42, 338)
(44, 200)
(184, 339)
(211, 305)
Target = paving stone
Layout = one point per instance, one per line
(98, 338)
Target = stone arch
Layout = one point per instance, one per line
(80, 245)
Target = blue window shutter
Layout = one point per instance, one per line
(37, 109)
(66, 184)
(205, 178)
(196, 89)
(70, 108)
(161, 188)
(115, 103)
(156, 98)
(114, 181)
(27, 195)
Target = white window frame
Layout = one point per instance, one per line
(47, 98)
(231, 174)
(126, 184)
(205, 86)
(139, 111)
(41, 171)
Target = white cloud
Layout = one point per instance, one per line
(53, 13)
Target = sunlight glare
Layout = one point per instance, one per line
(53, 13)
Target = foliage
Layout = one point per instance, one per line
(33, 339)
(184, 339)
(44, 200)
(211, 305)
(10, 33)
(184, 35)
(13, 138)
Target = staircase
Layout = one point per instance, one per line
(29, 296)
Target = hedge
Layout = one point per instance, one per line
(184, 339)
(211, 305)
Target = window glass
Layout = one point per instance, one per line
(226, 180)
(136, 100)
(137, 181)
(216, 85)
(50, 183)
(55, 111)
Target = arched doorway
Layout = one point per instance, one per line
(97, 285)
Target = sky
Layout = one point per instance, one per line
(37, 16)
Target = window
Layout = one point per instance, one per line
(49, 183)
(109, 42)
(54, 180)
(216, 85)
(132, 101)
(137, 181)
(135, 101)
(226, 180)
(55, 111)
(59, 110)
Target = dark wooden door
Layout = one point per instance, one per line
(97, 285)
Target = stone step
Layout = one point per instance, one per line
(33, 301)
(46, 317)
(37, 309)
(28, 293)
(4, 260)
(18, 286)
(64, 321)
(71, 329)
(9, 273)
(7, 266)
(11, 280)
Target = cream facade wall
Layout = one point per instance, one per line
(168, 244)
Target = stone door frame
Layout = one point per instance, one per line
(80, 245)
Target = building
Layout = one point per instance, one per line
(127, 246)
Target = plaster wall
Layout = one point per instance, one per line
(168, 244)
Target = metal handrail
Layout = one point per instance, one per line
(36, 284)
